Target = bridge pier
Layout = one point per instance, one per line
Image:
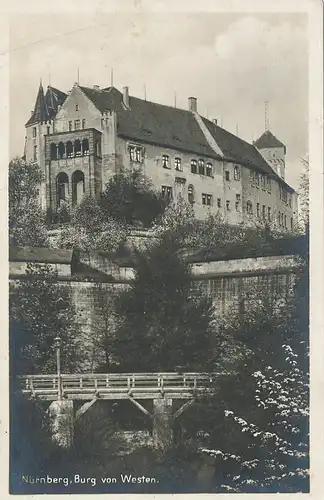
(62, 422)
(162, 423)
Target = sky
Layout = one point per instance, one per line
(232, 63)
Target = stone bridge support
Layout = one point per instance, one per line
(62, 422)
(162, 423)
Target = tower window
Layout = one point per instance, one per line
(219, 202)
(258, 209)
(227, 175)
(165, 161)
(177, 164)
(48, 130)
(238, 197)
(76, 107)
(237, 206)
(228, 205)
(34, 132)
(201, 167)
(237, 173)
(76, 124)
(193, 166)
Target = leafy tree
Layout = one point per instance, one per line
(40, 310)
(129, 197)
(27, 225)
(165, 325)
(90, 229)
(304, 193)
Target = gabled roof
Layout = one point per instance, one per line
(40, 113)
(268, 140)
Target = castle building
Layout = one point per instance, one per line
(81, 139)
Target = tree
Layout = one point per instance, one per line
(165, 325)
(129, 197)
(90, 229)
(258, 421)
(304, 193)
(40, 310)
(27, 225)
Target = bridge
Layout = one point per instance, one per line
(162, 388)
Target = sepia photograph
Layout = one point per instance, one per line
(159, 226)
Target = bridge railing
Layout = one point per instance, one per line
(116, 382)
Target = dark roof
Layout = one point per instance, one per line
(268, 140)
(41, 255)
(236, 149)
(46, 106)
(40, 113)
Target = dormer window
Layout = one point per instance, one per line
(177, 164)
(165, 161)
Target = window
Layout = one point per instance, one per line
(249, 208)
(70, 126)
(193, 166)
(35, 153)
(238, 197)
(76, 124)
(83, 123)
(291, 223)
(165, 161)
(34, 131)
(289, 201)
(258, 209)
(209, 170)
(285, 220)
(279, 218)
(263, 183)
(269, 184)
(48, 130)
(237, 173)
(167, 192)
(191, 194)
(269, 214)
(227, 175)
(201, 167)
(257, 180)
(206, 199)
(263, 211)
(252, 179)
(135, 154)
(219, 202)
(237, 206)
(76, 107)
(228, 205)
(177, 164)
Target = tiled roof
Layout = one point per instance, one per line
(46, 106)
(268, 140)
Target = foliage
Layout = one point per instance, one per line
(129, 197)
(27, 225)
(40, 310)
(63, 213)
(258, 422)
(164, 324)
(304, 193)
(90, 229)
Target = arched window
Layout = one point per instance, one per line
(69, 149)
(61, 150)
(53, 151)
(249, 208)
(237, 173)
(191, 194)
(85, 146)
(62, 188)
(77, 148)
(78, 186)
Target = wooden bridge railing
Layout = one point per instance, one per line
(114, 383)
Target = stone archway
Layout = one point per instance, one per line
(78, 187)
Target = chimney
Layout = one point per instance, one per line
(215, 121)
(126, 97)
(96, 87)
(192, 101)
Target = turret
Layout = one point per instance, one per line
(273, 151)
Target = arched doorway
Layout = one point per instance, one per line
(78, 186)
(62, 188)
